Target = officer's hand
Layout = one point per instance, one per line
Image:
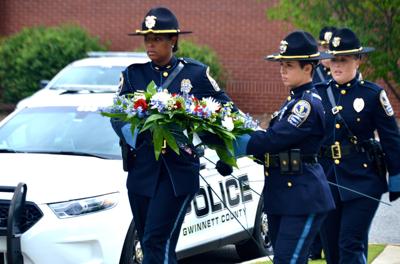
(393, 196)
(223, 168)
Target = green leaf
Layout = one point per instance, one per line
(170, 140)
(151, 88)
(158, 141)
(224, 155)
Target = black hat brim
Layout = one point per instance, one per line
(363, 50)
(280, 57)
(145, 32)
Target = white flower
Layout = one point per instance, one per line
(211, 104)
(227, 122)
(161, 97)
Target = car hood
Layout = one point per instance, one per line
(54, 178)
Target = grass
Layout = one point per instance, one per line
(373, 251)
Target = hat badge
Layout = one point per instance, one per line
(283, 46)
(327, 36)
(336, 41)
(150, 21)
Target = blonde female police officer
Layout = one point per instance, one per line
(160, 191)
(296, 193)
(355, 109)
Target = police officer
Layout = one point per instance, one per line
(296, 193)
(351, 156)
(160, 190)
(322, 71)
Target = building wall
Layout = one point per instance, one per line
(238, 30)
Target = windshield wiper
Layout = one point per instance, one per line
(9, 151)
(72, 153)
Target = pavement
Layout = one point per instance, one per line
(390, 255)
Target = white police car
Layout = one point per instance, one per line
(63, 197)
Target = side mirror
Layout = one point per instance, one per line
(43, 83)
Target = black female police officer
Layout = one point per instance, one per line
(355, 109)
(296, 193)
(160, 191)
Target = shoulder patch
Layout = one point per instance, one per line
(383, 98)
(300, 112)
(121, 83)
(191, 61)
(212, 81)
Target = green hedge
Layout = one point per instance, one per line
(39, 53)
(205, 55)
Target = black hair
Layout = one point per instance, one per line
(175, 48)
(313, 64)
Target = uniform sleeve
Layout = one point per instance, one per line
(124, 83)
(210, 88)
(289, 130)
(389, 137)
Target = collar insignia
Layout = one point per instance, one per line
(150, 21)
(283, 46)
(336, 41)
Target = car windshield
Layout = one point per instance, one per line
(62, 130)
(88, 75)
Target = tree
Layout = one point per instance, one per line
(376, 23)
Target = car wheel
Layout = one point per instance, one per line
(131, 252)
(261, 245)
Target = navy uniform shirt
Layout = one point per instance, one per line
(183, 169)
(321, 74)
(299, 124)
(365, 109)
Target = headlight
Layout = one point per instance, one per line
(85, 206)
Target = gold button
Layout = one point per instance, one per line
(163, 151)
(348, 85)
(165, 74)
(358, 119)
(337, 161)
(365, 165)
(294, 162)
(337, 126)
(308, 91)
(362, 82)
(289, 184)
(284, 162)
(343, 91)
(289, 98)
(337, 85)
(337, 142)
(329, 73)
(266, 173)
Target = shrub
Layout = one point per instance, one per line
(39, 53)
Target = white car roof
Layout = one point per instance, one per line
(109, 61)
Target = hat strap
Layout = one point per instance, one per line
(334, 52)
(161, 31)
(294, 57)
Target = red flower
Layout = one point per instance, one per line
(178, 105)
(140, 103)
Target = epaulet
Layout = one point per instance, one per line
(191, 61)
(370, 85)
(309, 95)
(137, 64)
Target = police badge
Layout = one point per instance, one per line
(327, 36)
(283, 46)
(336, 41)
(186, 86)
(150, 21)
